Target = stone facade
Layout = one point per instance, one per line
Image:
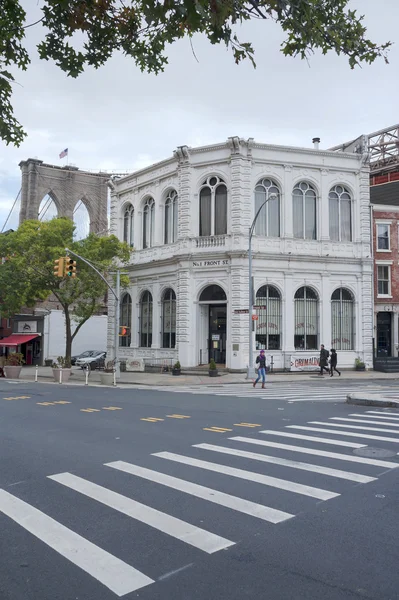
(286, 262)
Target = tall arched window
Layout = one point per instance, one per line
(171, 218)
(125, 321)
(306, 319)
(304, 211)
(169, 319)
(268, 223)
(128, 225)
(342, 320)
(148, 223)
(340, 205)
(145, 327)
(213, 207)
(268, 325)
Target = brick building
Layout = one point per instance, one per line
(384, 198)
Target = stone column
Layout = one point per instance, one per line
(288, 319)
(156, 316)
(325, 312)
(184, 312)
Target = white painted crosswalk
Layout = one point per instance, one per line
(244, 465)
(316, 391)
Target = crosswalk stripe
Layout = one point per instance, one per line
(347, 433)
(282, 484)
(312, 438)
(365, 422)
(325, 453)
(199, 538)
(112, 572)
(233, 502)
(353, 426)
(301, 466)
(386, 415)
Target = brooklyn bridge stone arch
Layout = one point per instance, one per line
(66, 186)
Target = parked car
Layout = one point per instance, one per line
(83, 355)
(96, 361)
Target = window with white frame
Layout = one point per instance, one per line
(213, 207)
(169, 319)
(148, 223)
(268, 222)
(128, 225)
(384, 280)
(342, 320)
(304, 211)
(306, 315)
(125, 321)
(145, 325)
(171, 218)
(340, 205)
(383, 237)
(268, 326)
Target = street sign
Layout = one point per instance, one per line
(260, 306)
(241, 311)
(255, 317)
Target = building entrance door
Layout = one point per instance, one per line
(384, 334)
(217, 333)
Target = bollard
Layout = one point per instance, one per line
(115, 377)
(87, 376)
(61, 375)
(36, 373)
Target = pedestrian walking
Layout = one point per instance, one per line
(333, 363)
(323, 361)
(261, 361)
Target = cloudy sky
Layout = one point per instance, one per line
(119, 119)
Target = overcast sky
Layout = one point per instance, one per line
(118, 118)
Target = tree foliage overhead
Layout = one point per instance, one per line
(81, 33)
(27, 270)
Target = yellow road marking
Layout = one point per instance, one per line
(45, 403)
(178, 417)
(247, 425)
(217, 429)
(152, 419)
(90, 410)
(112, 408)
(61, 402)
(17, 398)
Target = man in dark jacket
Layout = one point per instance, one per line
(323, 362)
(333, 363)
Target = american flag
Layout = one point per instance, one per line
(64, 153)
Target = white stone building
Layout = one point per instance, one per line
(188, 218)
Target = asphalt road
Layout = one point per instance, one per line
(103, 495)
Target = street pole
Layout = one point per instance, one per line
(251, 367)
(117, 319)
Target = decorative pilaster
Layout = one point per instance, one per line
(183, 321)
(184, 203)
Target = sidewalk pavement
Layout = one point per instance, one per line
(165, 379)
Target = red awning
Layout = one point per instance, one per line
(16, 340)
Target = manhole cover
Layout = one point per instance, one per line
(374, 452)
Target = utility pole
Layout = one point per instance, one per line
(251, 368)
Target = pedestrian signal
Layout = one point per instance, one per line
(59, 267)
(124, 331)
(70, 267)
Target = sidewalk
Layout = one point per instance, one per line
(159, 379)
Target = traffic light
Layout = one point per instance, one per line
(70, 267)
(59, 267)
(124, 331)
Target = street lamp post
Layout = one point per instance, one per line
(251, 369)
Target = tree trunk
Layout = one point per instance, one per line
(68, 346)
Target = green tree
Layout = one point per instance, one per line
(79, 33)
(27, 270)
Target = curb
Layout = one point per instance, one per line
(369, 400)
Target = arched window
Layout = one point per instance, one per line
(171, 218)
(342, 320)
(169, 319)
(340, 204)
(148, 223)
(213, 293)
(306, 319)
(268, 223)
(128, 225)
(304, 211)
(213, 207)
(145, 327)
(125, 321)
(268, 325)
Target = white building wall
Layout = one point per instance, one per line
(286, 262)
(91, 336)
